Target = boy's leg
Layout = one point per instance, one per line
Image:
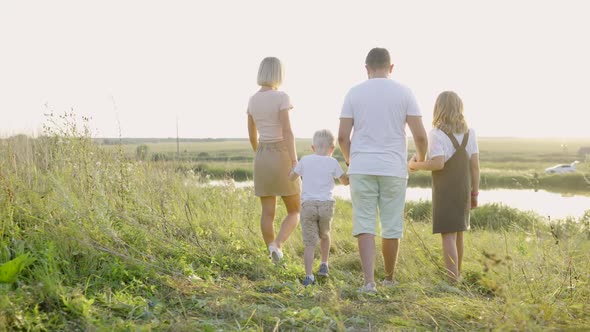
(364, 192)
(449, 244)
(309, 231)
(326, 212)
(308, 259)
(392, 196)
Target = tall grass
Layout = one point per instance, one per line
(125, 245)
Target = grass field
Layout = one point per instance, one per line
(109, 243)
(505, 162)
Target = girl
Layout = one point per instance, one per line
(271, 137)
(454, 162)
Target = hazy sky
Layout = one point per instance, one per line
(521, 67)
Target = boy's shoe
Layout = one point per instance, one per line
(324, 270)
(275, 254)
(308, 281)
(369, 288)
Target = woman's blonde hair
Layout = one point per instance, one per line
(448, 113)
(270, 72)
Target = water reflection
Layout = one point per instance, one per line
(548, 204)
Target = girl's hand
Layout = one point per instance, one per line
(474, 196)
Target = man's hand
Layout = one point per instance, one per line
(412, 163)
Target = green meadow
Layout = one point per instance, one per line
(92, 239)
(518, 163)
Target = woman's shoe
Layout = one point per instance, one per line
(275, 254)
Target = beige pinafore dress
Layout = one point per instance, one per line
(451, 188)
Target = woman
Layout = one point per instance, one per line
(271, 137)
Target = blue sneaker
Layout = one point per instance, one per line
(308, 281)
(324, 270)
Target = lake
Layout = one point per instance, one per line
(544, 203)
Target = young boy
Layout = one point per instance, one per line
(318, 172)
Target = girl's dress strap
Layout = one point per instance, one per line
(456, 143)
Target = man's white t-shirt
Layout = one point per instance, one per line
(379, 108)
(318, 174)
(439, 144)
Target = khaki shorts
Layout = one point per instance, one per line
(383, 195)
(316, 217)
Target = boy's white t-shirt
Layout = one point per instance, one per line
(318, 174)
(439, 144)
(379, 108)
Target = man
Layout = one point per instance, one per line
(379, 109)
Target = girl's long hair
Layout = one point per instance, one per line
(448, 113)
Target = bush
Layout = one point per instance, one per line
(500, 217)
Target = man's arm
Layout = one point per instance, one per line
(344, 137)
(419, 134)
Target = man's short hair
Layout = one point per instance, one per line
(378, 58)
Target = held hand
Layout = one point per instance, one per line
(474, 200)
(412, 164)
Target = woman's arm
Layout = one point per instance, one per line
(293, 176)
(435, 164)
(252, 133)
(288, 135)
(474, 167)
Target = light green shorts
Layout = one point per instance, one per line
(384, 194)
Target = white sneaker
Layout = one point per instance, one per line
(389, 283)
(275, 254)
(369, 288)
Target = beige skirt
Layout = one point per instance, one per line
(272, 166)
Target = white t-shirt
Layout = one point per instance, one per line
(379, 108)
(264, 106)
(439, 144)
(318, 174)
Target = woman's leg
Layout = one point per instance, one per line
(267, 218)
(459, 253)
(449, 244)
(293, 204)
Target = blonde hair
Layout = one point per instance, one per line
(323, 140)
(448, 113)
(270, 72)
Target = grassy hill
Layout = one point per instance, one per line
(118, 244)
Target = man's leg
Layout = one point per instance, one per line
(392, 195)
(389, 248)
(366, 244)
(364, 196)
